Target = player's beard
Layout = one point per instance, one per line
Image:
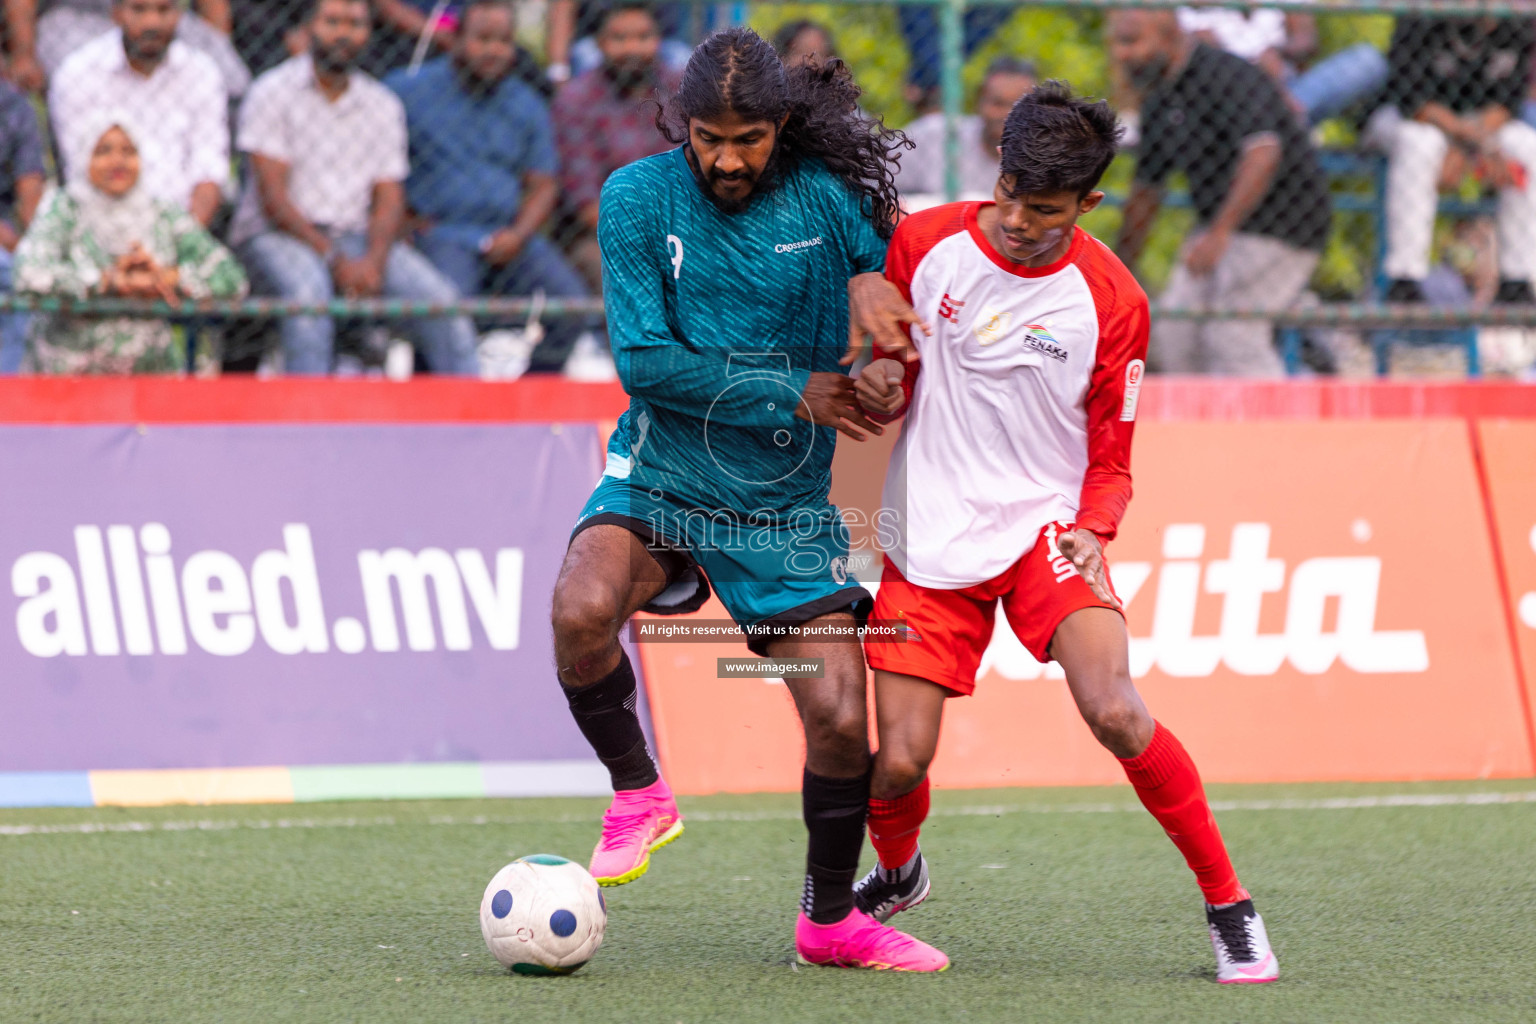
(632, 78)
(764, 183)
(336, 59)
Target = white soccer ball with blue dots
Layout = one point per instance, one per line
(543, 914)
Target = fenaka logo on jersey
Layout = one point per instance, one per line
(1039, 339)
(950, 307)
(1134, 371)
(991, 326)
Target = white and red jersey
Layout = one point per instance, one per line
(1021, 410)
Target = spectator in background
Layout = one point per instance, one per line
(571, 43)
(21, 187)
(323, 211)
(103, 234)
(1455, 95)
(606, 118)
(1259, 194)
(44, 32)
(173, 90)
(920, 28)
(922, 170)
(268, 32)
(800, 42)
(483, 173)
(1282, 43)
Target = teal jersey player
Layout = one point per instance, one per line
(717, 321)
(736, 269)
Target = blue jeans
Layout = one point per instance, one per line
(13, 326)
(454, 249)
(282, 265)
(920, 28)
(1339, 81)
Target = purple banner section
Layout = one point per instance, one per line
(207, 596)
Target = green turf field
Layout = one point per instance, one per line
(1055, 905)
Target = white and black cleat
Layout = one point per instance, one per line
(882, 894)
(1243, 956)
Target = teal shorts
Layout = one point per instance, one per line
(770, 568)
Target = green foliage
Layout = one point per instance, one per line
(868, 38)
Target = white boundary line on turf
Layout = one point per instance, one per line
(1342, 803)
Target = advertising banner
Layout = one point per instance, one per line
(1306, 601)
(1509, 462)
(256, 598)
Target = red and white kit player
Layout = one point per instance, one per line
(1012, 472)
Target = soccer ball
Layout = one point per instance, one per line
(543, 914)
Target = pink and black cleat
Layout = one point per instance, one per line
(1243, 954)
(858, 940)
(637, 822)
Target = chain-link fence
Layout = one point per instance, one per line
(339, 186)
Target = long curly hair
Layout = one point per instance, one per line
(736, 71)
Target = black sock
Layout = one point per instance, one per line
(605, 714)
(835, 810)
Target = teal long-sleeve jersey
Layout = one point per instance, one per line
(717, 320)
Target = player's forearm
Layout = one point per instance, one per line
(1250, 183)
(539, 195)
(1140, 211)
(21, 23)
(708, 386)
(560, 32)
(1105, 496)
(205, 202)
(385, 220)
(217, 13)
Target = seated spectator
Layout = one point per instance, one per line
(1455, 94)
(104, 234)
(606, 118)
(44, 32)
(922, 170)
(21, 187)
(483, 169)
(800, 42)
(1260, 197)
(323, 211)
(174, 90)
(571, 36)
(268, 32)
(1282, 43)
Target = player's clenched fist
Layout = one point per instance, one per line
(1087, 556)
(828, 401)
(879, 386)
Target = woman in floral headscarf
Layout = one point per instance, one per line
(102, 235)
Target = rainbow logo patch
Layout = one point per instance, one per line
(1039, 339)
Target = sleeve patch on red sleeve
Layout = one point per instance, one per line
(1133, 373)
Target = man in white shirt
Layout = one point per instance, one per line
(322, 212)
(175, 93)
(45, 32)
(921, 176)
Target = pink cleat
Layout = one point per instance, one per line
(637, 822)
(858, 940)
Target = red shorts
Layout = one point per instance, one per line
(949, 630)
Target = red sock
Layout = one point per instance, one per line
(1169, 786)
(894, 825)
